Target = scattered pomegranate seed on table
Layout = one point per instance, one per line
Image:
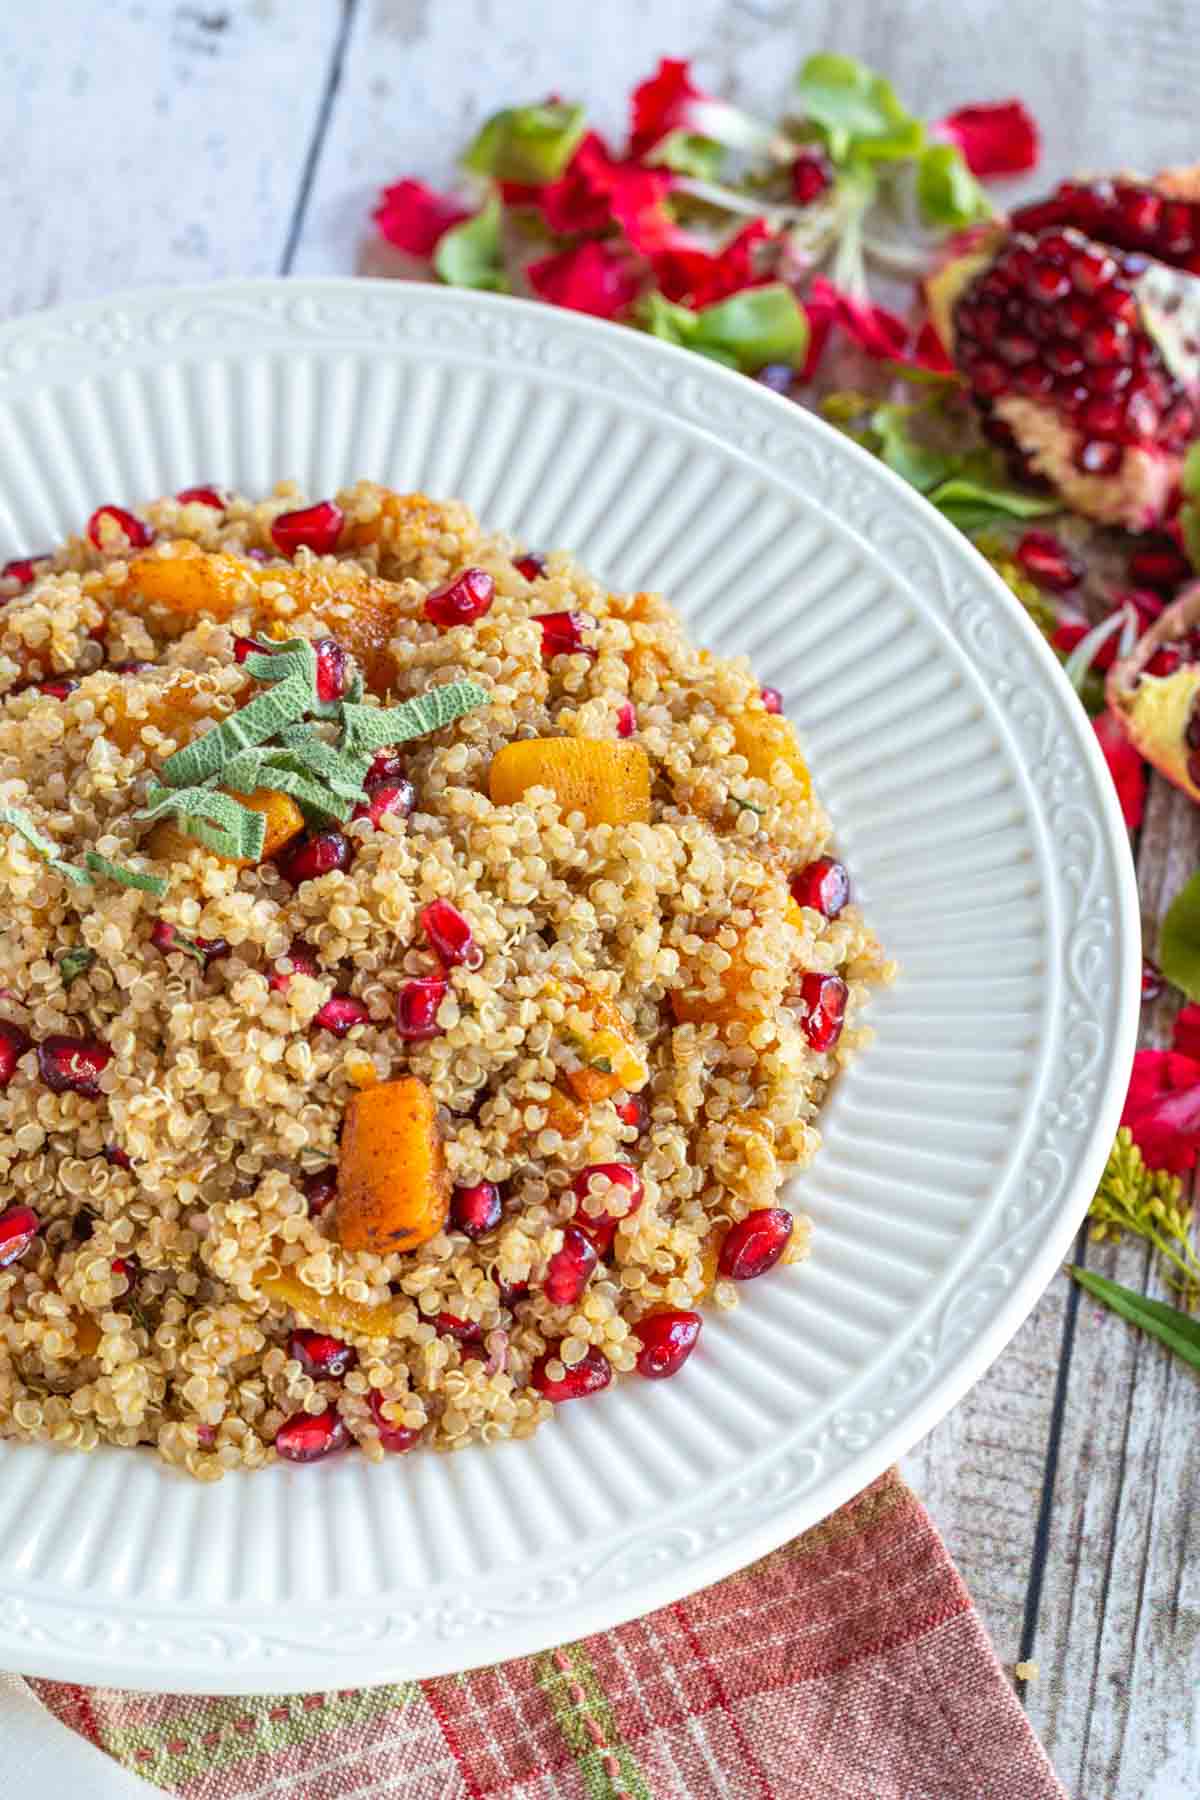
(108, 520)
(530, 565)
(589, 1376)
(19, 1225)
(310, 858)
(450, 935)
(319, 1189)
(316, 528)
(824, 885)
(1048, 563)
(340, 1014)
(563, 633)
(387, 800)
(396, 1439)
(73, 1064)
(477, 1209)
(333, 669)
(667, 1339)
(772, 699)
(1152, 980)
(755, 1244)
(14, 1042)
(203, 496)
(462, 600)
(570, 1267)
(824, 996)
(303, 963)
(307, 1437)
(417, 1007)
(323, 1357)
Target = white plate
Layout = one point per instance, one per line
(983, 834)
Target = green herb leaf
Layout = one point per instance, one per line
(760, 325)
(371, 728)
(203, 759)
(1189, 478)
(688, 154)
(211, 818)
(470, 255)
(857, 111)
(529, 144)
(1189, 523)
(342, 773)
(947, 192)
(1166, 1323)
(975, 503)
(1179, 940)
(272, 769)
(923, 467)
(21, 822)
(130, 878)
(75, 962)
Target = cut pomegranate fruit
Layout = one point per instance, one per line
(476, 1210)
(667, 1340)
(323, 1357)
(1163, 566)
(626, 719)
(108, 523)
(396, 1439)
(340, 1014)
(307, 1437)
(19, 1225)
(14, 1042)
(824, 885)
(586, 1377)
(73, 1064)
(58, 688)
(310, 858)
(22, 569)
(563, 633)
(812, 176)
(417, 1007)
(756, 1243)
(303, 963)
(1131, 215)
(634, 1111)
(387, 800)
(570, 1268)
(1152, 980)
(203, 496)
(334, 669)
(450, 936)
(462, 600)
(116, 1157)
(824, 997)
(530, 565)
(316, 528)
(1048, 563)
(772, 699)
(601, 1227)
(320, 1190)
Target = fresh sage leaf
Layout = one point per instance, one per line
(371, 728)
(1179, 940)
(73, 963)
(130, 878)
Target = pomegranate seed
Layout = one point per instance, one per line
(1099, 458)
(394, 1438)
(511, 1292)
(1164, 661)
(1064, 358)
(563, 633)
(449, 934)
(476, 1210)
(464, 1331)
(824, 885)
(19, 1225)
(303, 963)
(462, 600)
(1159, 566)
(73, 1063)
(601, 1227)
(323, 1357)
(812, 174)
(333, 669)
(991, 379)
(319, 1189)
(1016, 349)
(1048, 562)
(130, 668)
(635, 1112)
(123, 1267)
(388, 800)
(825, 998)
(570, 1268)
(585, 1377)
(313, 857)
(117, 1157)
(387, 768)
(115, 518)
(244, 647)
(667, 1339)
(530, 565)
(756, 1243)
(417, 1007)
(772, 699)
(316, 528)
(59, 688)
(1152, 981)
(340, 1014)
(166, 938)
(626, 719)
(13, 1044)
(203, 496)
(1091, 270)
(307, 1437)
(1048, 283)
(22, 569)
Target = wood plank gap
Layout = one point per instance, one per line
(333, 81)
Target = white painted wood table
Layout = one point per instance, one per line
(148, 141)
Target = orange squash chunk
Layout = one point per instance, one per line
(735, 998)
(393, 1192)
(609, 1041)
(333, 1312)
(765, 739)
(284, 822)
(608, 783)
(174, 709)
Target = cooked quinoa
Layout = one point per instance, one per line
(643, 993)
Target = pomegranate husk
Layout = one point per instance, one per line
(1154, 709)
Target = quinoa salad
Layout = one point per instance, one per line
(420, 968)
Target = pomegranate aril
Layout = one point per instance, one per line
(395, 1439)
(340, 1014)
(19, 1225)
(1016, 349)
(1097, 457)
(512, 1292)
(570, 1267)
(316, 528)
(1063, 358)
(310, 858)
(307, 1437)
(1048, 282)
(1152, 980)
(634, 1111)
(530, 565)
(1048, 562)
(462, 600)
(563, 633)
(588, 1376)
(388, 769)
(601, 1226)
(303, 963)
(1159, 566)
(116, 1157)
(333, 669)
(14, 1042)
(990, 379)
(123, 1267)
(166, 937)
(1108, 343)
(772, 699)
(73, 1064)
(107, 521)
(756, 1243)
(450, 936)
(22, 569)
(203, 496)
(812, 175)
(667, 1340)
(58, 688)
(626, 719)
(244, 647)
(388, 800)
(824, 885)
(464, 1331)
(417, 1007)
(319, 1189)
(477, 1209)
(323, 1357)
(824, 998)
(1090, 270)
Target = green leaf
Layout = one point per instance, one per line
(857, 111)
(371, 728)
(688, 154)
(962, 491)
(759, 325)
(130, 878)
(20, 821)
(530, 144)
(947, 192)
(1189, 479)
(1189, 523)
(1179, 940)
(272, 769)
(1171, 1327)
(75, 962)
(203, 759)
(214, 819)
(470, 255)
(924, 468)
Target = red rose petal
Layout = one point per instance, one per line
(1000, 139)
(415, 218)
(1124, 765)
(1162, 1109)
(880, 333)
(596, 278)
(1187, 1031)
(660, 105)
(686, 271)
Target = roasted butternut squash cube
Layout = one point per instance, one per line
(609, 783)
(393, 1192)
(174, 708)
(333, 1312)
(765, 739)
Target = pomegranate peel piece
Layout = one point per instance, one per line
(1160, 714)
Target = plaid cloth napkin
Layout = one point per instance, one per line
(848, 1665)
